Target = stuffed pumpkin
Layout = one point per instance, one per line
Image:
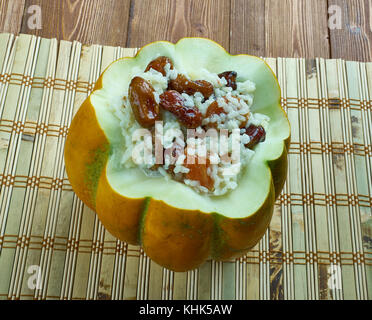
(182, 149)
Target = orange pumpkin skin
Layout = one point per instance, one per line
(177, 239)
(86, 154)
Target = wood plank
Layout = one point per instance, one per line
(173, 19)
(296, 28)
(247, 27)
(90, 22)
(354, 40)
(11, 15)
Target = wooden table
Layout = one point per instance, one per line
(270, 28)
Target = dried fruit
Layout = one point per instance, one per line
(214, 108)
(230, 77)
(183, 85)
(145, 108)
(199, 172)
(256, 133)
(173, 102)
(159, 64)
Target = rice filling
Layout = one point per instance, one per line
(206, 128)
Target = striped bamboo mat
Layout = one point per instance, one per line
(319, 245)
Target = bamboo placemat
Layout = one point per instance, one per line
(319, 245)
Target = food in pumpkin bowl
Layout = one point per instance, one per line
(182, 150)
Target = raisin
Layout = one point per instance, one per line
(145, 108)
(159, 64)
(230, 77)
(183, 85)
(173, 102)
(257, 134)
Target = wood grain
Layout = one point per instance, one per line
(296, 28)
(354, 40)
(11, 12)
(271, 28)
(99, 22)
(247, 27)
(173, 19)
